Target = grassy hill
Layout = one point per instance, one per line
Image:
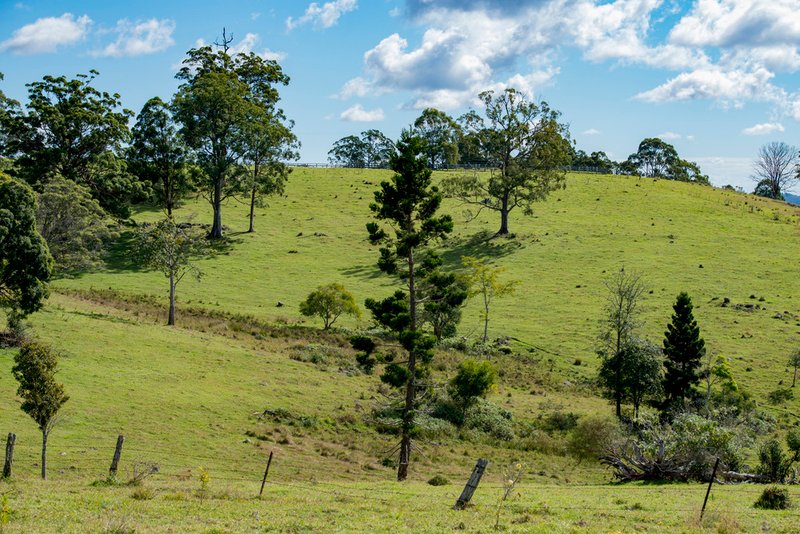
(240, 376)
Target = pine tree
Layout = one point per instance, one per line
(683, 351)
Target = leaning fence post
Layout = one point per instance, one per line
(472, 484)
(112, 472)
(12, 438)
(710, 482)
(266, 472)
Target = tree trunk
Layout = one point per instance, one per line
(408, 409)
(503, 217)
(794, 379)
(485, 318)
(171, 318)
(252, 209)
(168, 196)
(44, 455)
(216, 203)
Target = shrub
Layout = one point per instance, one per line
(328, 303)
(491, 419)
(780, 395)
(538, 440)
(445, 408)
(773, 463)
(438, 480)
(592, 437)
(427, 427)
(773, 498)
(142, 493)
(560, 421)
(474, 380)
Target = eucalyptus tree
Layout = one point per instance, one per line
(529, 149)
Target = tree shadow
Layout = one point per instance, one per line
(367, 271)
(484, 245)
(120, 256)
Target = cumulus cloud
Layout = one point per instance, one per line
(731, 87)
(669, 136)
(141, 38)
(47, 34)
(359, 114)
(323, 16)
(591, 131)
(764, 129)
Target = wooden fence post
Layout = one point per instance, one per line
(472, 484)
(112, 472)
(12, 438)
(266, 472)
(710, 482)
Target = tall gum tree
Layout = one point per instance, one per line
(528, 149)
(407, 205)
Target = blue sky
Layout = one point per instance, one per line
(716, 78)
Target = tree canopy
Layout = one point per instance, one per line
(656, 158)
(372, 150)
(441, 134)
(684, 350)
(775, 170)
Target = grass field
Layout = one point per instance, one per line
(191, 396)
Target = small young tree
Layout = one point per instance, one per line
(625, 292)
(35, 369)
(169, 248)
(443, 295)
(484, 280)
(633, 373)
(408, 204)
(328, 303)
(717, 371)
(794, 361)
(684, 350)
(474, 379)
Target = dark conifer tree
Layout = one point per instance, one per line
(684, 350)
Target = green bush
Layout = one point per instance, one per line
(535, 439)
(438, 480)
(773, 498)
(592, 437)
(427, 427)
(490, 419)
(773, 463)
(780, 395)
(560, 421)
(445, 408)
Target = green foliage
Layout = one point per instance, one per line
(73, 224)
(592, 437)
(444, 295)
(780, 395)
(71, 129)
(441, 134)
(157, 154)
(774, 464)
(35, 369)
(794, 363)
(658, 159)
(596, 161)
(529, 147)
(170, 248)
(773, 498)
(491, 419)
(25, 263)
(633, 373)
(473, 380)
(372, 150)
(328, 303)
(684, 350)
(484, 280)
(559, 421)
(697, 441)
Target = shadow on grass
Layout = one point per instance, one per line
(484, 245)
(366, 271)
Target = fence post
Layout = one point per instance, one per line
(472, 484)
(710, 482)
(12, 438)
(266, 472)
(112, 472)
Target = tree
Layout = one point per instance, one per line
(157, 154)
(71, 129)
(528, 147)
(717, 371)
(7, 106)
(473, 380)
(596, 161)
(625, 292)
(219, 95)
(484, 280)
(169, 248)
(684, 350)
(35, 369)
(328, 303)
(444, 297)
(656, 158)
(73, 224)
(408, 204)
(441, 134)
(372, 150)
(25, 262)
(633, 373)
(775, 169)
(794, 361)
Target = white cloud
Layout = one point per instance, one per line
(591, 131)
(356, 87)
(722, 171)
(323, 16)
(45, 35)
(764, 129)
(359, 114)
(138, 39)
(669, 136)
(731, 87)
